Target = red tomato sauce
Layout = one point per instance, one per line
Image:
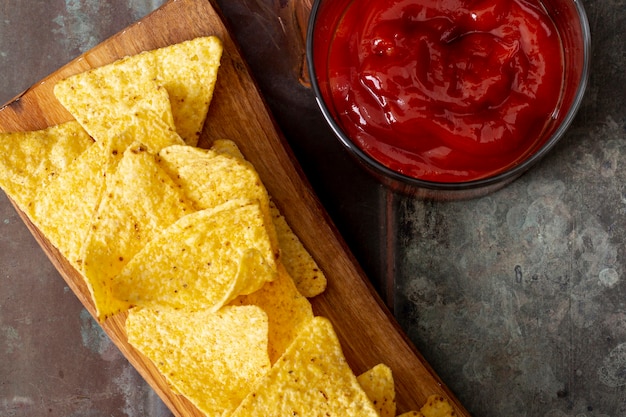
(446, 90)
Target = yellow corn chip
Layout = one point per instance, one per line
(140, 201)
(63, 210)
(311, 378)
(149, 130)
(308, 277)
(228, 147)
(188, 71)
(172, 86)
(30, 160)
(379, 386)
(213, 359)
(202, 261)
(178, 161)
(286, 308)
(437, 406)
(210, 179)
(110, 99)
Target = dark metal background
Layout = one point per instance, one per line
(516, 298)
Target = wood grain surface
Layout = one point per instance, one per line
(368, 332)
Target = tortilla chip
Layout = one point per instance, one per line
(411, 414)
(63, 210)
(109, 99)
(227, 147)
(188, 71)
(30, 160)
(210, 179)
(437, 406)
(202, 261)
(312, 375)
(213, 359)
(149, 130)
(286, 309)
(176, 161)
(308, 277)
(172, 86)
(379, 386)
(140, 201)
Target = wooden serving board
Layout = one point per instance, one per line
(368, 332)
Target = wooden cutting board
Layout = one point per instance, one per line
(368, 333)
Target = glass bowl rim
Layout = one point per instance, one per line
(501, 177)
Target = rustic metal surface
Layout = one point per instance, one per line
(516, 298)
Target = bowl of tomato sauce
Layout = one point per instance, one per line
(448, 98)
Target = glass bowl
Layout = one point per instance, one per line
(571, 22)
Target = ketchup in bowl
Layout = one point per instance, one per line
(445, 91)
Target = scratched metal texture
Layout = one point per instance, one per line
(516, 298)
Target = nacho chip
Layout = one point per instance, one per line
(63, 210)
(188, 71)
(227, 147)
(210, 179)
(114, 148)
(30, 160)
(311, 377)
(202, 261)
(379, 386)
(308, 277)
(176, 161)
(286, 308)
(110, 99)
(213, 359)
(140, 201)
(148, 129)
(172, 86)
(437, 406)
(301, 266)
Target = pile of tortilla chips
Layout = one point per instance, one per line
(186, 242)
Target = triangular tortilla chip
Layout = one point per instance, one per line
(210, 179)
(213, 359)
(140, 201)
(201, 262)
(188, 71)
(311, 376)
(63, 210)
(379, 386)
(30, 160)
(286, 308)
(308, 277)
(227, 147)
(437, 406)
(174, 85)
(107, 100)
